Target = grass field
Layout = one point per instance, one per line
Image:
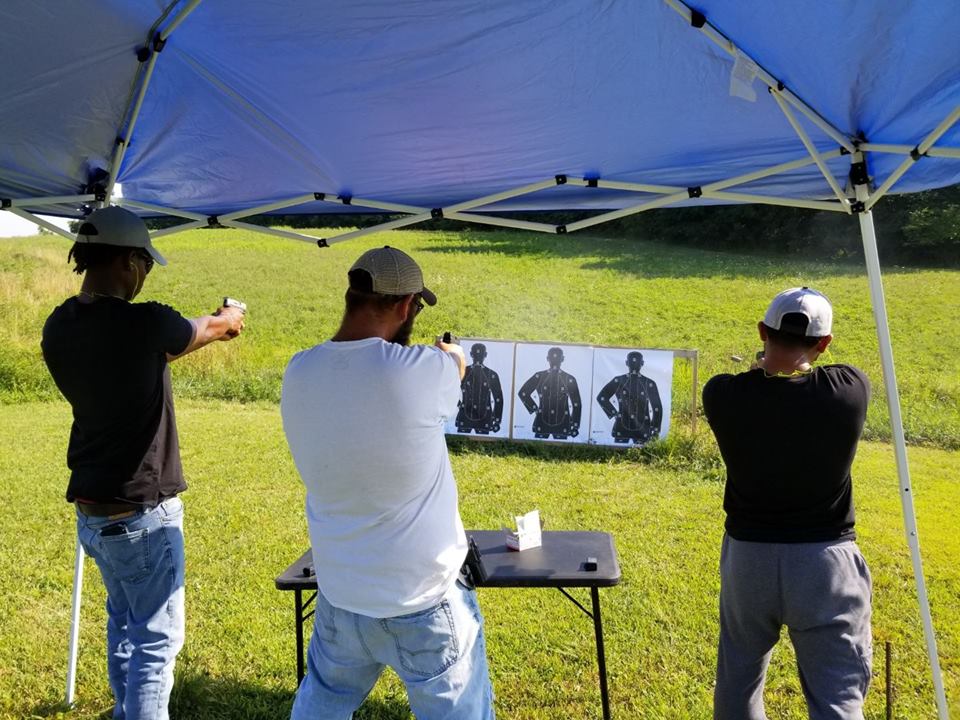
(244, 520)
(511, 286)
(244, 524)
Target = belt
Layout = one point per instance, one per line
(113, 511)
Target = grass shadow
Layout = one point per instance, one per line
(645, 258)
(197, 696)
(680, 451)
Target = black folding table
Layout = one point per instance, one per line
(561, 562)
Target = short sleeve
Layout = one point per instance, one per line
(713, 392)
(449, 384)
(167, 331)
(852, 385)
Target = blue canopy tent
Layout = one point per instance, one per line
(214, 111)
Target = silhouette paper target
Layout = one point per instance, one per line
(631, 396)
(485, 391)
(552, 398)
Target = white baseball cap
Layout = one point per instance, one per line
(813, 305)
(116, 226)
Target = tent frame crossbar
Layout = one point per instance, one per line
(20, 212)
(918, 152)
(935, 152)
(414, 214)
(129, 202)
(805, 139)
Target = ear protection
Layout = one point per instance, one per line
(133, 266)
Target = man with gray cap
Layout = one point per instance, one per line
(364, 416)
(788, 433)
(109, 357)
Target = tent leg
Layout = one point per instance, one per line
(74, 625)
(899, 441)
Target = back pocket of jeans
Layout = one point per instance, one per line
(426, 642)
(128, 555)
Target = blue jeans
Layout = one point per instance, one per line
(439, 653)
(141, 563)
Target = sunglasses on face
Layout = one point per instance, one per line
(417, 304)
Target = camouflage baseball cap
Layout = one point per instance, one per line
(393, 272)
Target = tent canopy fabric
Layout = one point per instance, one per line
(430, 104)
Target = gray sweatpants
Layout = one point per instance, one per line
(822, 593)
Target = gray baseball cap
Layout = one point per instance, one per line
(804, 301)
(393, 272)
(115, 226)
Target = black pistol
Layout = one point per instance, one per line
(473, 573)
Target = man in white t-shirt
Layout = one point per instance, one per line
(364, 416)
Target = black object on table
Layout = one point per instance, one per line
(563, 561)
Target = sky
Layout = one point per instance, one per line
(13, 226)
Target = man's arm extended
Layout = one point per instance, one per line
(456, 352)
(225, 324)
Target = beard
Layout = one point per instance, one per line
(402, 336)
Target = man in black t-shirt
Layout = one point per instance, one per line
(788, 434)
(109, 357)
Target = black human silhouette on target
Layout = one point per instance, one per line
(638, 412)
(481, 398)
(558, 404)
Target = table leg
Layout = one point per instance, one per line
(299, 620)
(601, 656)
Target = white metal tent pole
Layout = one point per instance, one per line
(74, 625)
(899, 441)
(700, 191)
(179, 18)
(941, 152)
(155, 45)
(123, 140)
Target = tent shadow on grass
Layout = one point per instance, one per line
(203, 697)
(681, 450)
(647, 259)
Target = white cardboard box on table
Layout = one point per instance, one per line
(528, 534)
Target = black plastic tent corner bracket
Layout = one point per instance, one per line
(560, 179)
(697, 18)
(321, 243)
(436, 213)
(319, 196)
(695, 192)
(561, 229)
(858, 174)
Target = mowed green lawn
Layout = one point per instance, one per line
(245, 523)
(515, 286)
